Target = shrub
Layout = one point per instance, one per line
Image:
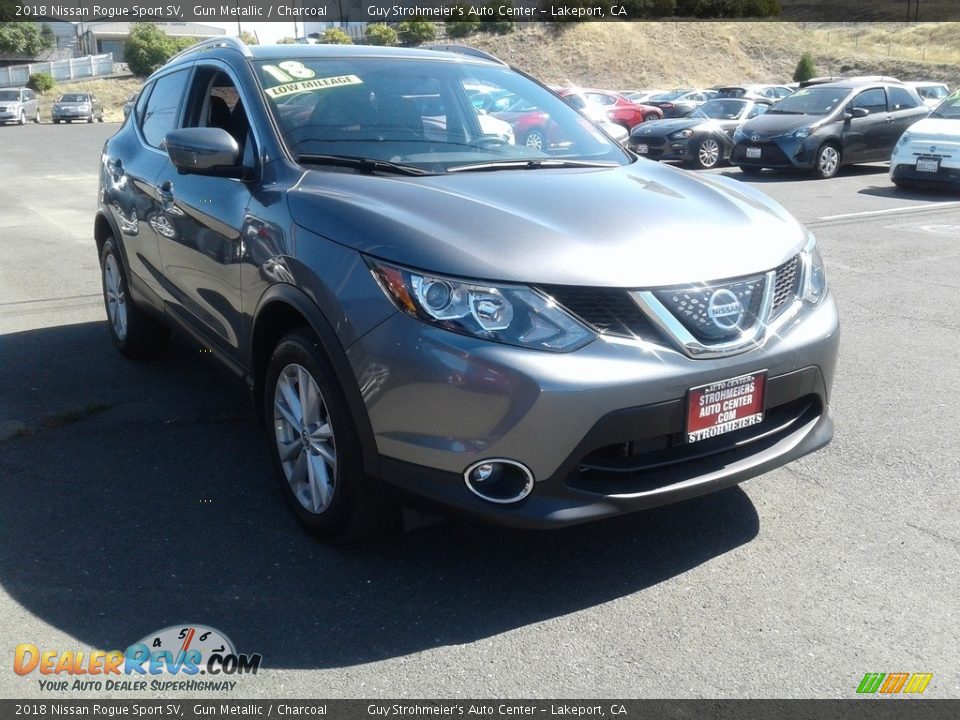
(416, 32)
(41, 82)
(805, 68)
(380, 34)
(248, 38)
(335, 36)
(465, 24)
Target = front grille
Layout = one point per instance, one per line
(693, 306)
(652, 463)
(787, 285)
(607, 310)
(613, 311)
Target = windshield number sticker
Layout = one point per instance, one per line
(308, 85)
(289, 71)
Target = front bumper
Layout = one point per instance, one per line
(439, 402)
(780, 152)
(71, 115)
(660, 148)
(9, 115)
(946, 174)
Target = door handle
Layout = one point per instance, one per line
(889, 119)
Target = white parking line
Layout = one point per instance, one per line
(887, 211)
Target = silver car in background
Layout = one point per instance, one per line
(18, 105)
(77, 106)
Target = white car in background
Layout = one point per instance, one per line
(929, 150)
(932, 93)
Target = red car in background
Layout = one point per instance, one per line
(617, 108)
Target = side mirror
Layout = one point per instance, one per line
(856, 113)
(204, 151)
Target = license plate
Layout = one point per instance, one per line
(642, 149)
(725, 406)
(753, 152)
(930, 166)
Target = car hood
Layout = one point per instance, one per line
(940, 128)
(772, 124)
(660, 128)
(640, 225)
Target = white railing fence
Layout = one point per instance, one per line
(71, 69)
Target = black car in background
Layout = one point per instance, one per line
(822, 127)
(679, 102)
(703, 139)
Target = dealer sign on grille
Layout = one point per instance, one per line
(725, 406)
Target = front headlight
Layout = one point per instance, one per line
(802, 132)
(814, 277)
(902, 141)
(511, 314)
(680, 135)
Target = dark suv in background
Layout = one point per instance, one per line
(824, 126)
(425, 310)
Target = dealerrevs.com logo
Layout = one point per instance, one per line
(184, 652)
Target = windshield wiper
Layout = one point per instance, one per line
(530, 165)
(364, 165)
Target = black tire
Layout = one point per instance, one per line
(827, 162)
(56, 122)
(100, 119)
(36, 118)
(90, 119)
(142, 335)
(359, 506)
(751, 169)
(22, 120)
(68, 121)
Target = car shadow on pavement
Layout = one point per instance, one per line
(138, 496)
(787, 175)
(931, 191)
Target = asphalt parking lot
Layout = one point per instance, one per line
(138, 496)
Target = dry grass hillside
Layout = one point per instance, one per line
(669, 54)
(112, 92)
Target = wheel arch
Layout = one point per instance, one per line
(284, 308)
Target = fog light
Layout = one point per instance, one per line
(499, 480)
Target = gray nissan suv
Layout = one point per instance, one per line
(429, 314)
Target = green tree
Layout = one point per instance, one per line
(286, 41)
(248, 37)
(336, 36)
(149, 47)
(381, 34)
(805, 68)
(416, 32)
(23, 38)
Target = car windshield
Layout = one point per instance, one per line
(74, 98)
(425, 114)
(8, 95)
(810, 101)
(721, 109)
(667, 96)
(949, 109)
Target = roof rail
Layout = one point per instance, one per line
(465, 50)
(223, 41)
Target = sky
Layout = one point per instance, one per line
(266, 32)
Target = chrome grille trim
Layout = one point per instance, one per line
(749, 338)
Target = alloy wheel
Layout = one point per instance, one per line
(828, 161)
(708, 153)
(116, 297)
(305, 438)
